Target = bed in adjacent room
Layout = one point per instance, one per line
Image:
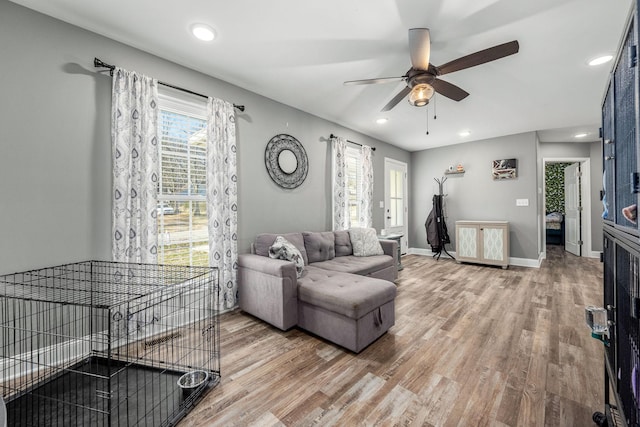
(555, 228)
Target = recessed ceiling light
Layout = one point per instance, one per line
(580, 135)
(382, 120)
(203, 32)
(600, 60)
(464, 133)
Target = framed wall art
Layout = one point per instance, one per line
(505, 169)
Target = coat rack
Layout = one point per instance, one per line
(437, 234)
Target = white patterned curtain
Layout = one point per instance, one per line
(222, 197)
(134, 128)
(341, 220)
(366, 187)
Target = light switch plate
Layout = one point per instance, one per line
(382, 205)
(522, 202)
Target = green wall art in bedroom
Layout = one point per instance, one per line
(554, 185)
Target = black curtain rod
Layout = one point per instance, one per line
(351, 142)
(98, 63)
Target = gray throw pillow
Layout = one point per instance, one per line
(343, 243)
(365, 242)
(283, 249)
(320, 246)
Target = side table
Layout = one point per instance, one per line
(397, 238)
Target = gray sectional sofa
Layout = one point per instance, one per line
(346, 299)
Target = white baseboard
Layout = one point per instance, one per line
(525, 262)
(520, 262)
(592, 254)
(595, 254)
(427, 252)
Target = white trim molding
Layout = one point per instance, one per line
(518, 262)
(585, 191)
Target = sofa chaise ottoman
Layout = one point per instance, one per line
(341, 297)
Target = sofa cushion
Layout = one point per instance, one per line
(350, 295)
(265, 240)
(357, 265)
(319, 245)
(343, 243)
(283, 249)
(365, 242)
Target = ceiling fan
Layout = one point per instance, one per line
(422, 78)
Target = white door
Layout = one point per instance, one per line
(572, 220)
(395, 200)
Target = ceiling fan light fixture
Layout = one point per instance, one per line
(421, 94)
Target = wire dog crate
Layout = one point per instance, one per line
(107, 344)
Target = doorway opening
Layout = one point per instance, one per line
(566, 205)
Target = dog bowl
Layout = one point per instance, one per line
(191, 381)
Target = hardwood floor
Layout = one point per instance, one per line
(472, 346)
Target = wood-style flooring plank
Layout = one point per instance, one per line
(472, 346)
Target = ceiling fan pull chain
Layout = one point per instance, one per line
(427, 120)
(435, 106)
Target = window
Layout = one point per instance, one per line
(396, 196)
(354, 181)
(183, 232)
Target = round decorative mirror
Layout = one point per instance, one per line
(286, 161)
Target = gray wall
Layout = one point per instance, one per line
(593, 151)
(55, 165)
(475, 195)
(564, 149)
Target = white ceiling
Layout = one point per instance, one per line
(300, 52)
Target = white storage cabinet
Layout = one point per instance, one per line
(483, 242)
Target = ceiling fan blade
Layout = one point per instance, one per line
(419, 48)
(481, 57)
(404, 92)
(374, 81)
(449, 90)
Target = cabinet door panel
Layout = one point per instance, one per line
(610, 300)
(493, 243)
(467, 244)
(609, 152)
(625, 134)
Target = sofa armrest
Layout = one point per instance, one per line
(268, 289)
(390, 247)
(273, 267)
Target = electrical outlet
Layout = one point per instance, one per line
(382, 205)
(522, 202)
